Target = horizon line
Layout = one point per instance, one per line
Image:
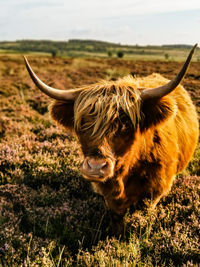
(94, 40)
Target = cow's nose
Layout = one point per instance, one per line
(96, 164)
(97, 169)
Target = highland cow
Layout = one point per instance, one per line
(136, 134)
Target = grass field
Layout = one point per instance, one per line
(49, 216)
(93, 48)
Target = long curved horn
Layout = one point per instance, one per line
(64, 95)
(161, 91)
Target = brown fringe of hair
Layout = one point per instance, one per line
(104, 101)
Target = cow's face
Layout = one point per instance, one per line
(101, 154)
(105, 130)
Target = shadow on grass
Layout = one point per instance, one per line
(52, 207)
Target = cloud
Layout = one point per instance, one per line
(128, 21)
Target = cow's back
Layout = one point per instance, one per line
(186, 123)
(179, 134)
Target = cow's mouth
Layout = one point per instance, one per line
(97, 170)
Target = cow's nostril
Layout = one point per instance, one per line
(104, 165)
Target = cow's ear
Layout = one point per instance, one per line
(156, 112)
(63, 113)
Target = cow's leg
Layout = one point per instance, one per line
(117, 210)
(162, 193)
(117, 224)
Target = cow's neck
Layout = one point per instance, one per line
(114, 190)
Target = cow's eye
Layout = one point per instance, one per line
(96, 152)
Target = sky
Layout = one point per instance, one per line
(142, 22)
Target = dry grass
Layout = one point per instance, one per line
(49, 216)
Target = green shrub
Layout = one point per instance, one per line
(120, 54)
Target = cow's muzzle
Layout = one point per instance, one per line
(97, 169)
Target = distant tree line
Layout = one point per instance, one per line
(178, 46)
(56, 46)
(77, 46)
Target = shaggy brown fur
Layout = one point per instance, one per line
(104, 101)
(144, 143)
